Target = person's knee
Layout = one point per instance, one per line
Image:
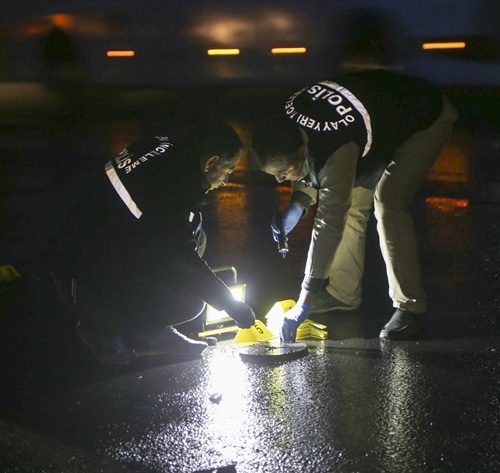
(384, 210)
(358, 216)
(179, 313)
(360, 209)
(196, 307)
(190, 309)
(390, 198)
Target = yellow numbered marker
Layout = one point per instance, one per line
(8, 273)
(275, 316)
(256, 333)
(307, 329)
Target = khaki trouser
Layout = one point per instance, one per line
(398, 242)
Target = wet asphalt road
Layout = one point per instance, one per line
(352, 405)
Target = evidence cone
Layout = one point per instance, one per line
(309, 329)
(275, 316)
(256, 333)
(8, 273)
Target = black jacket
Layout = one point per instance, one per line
(140, 220)
(376, 109)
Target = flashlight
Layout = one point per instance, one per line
(282, 240)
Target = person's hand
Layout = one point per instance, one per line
(242, 314)
(292, 319)
(290, 217)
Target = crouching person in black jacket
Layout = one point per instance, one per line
(129, 259)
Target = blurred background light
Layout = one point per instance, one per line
(447, 204)
(120, 53)
(300, 50)
(445, 45)
(223, 52)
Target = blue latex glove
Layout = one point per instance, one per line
(291, 216)
(293, 318)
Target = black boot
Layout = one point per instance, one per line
(109, 349)
(170, 341)
(403, 325)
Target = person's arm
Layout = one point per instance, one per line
(336, 181)
(162, 234)
(302, 197)
(304, 194)
(176, 254)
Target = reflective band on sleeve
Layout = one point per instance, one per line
(122, 192)
(359, 107)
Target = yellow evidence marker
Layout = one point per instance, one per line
(8, 273)
(306, 330)
(256, 333)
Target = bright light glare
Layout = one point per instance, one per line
(120, 53)
(300, 50)
(228, 424)
(274, 317)
(445, 45)
(213, 315)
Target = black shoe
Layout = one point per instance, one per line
(403, 325)
(109, 349)
(169, 342)
(327, 303)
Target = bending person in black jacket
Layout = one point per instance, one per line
(134, 246)
(361, 139)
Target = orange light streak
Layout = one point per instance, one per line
(300, 50)
(120, 53)
(447, 204)
(445, 45)
(223, 52)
